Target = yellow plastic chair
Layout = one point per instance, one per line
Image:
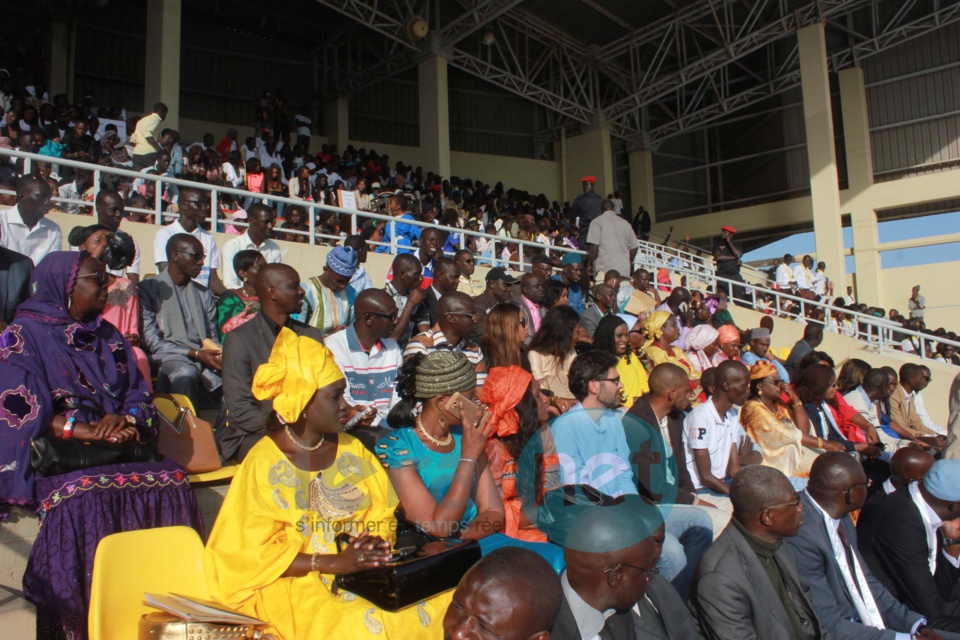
(784, 353)
(169, 411)
(127, 565)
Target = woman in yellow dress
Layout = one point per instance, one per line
(272, 553)
(785, 441)
(613, 336)
(661, 329)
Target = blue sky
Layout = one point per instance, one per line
(889, 231)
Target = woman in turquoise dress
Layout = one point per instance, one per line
(435, 459)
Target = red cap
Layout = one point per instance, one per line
(589, 179)
(730, 229)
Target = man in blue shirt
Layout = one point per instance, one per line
(760, 350)
(570, 274)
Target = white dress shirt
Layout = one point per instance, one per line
(34, 243)
(270, 251)
(211, 260)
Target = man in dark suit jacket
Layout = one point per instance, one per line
(446, 280)
(611, 554)
(746, 585)
(531, 293)
(865, 611)
(916, 543)
(249, 346)
(15, 272)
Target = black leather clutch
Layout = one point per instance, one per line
(55, 456)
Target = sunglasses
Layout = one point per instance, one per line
(523, 322)
(389, 316)
(650, 572)
(102, 278)
(793, 503)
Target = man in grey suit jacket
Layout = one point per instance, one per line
(850, 602)
(249, 346)
(746, 586)
(611, 554)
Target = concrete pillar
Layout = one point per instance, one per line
(641, 182)
(589, 154)
(818, 118)
(163, 59)
(63, 41)
(434, 116)
(866, 236)
(336, 122)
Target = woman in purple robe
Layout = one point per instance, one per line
(61, 365)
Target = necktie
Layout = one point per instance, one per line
(851, 560)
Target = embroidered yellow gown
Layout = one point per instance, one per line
(272, 512)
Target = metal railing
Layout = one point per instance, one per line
(877, 332)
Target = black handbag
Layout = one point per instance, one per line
(55, 456)
(428, 566)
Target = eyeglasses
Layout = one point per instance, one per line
(192, 255)
(613, 380)
(464, 313)
(793, 503)
(865, 485)
(198, 204)
(101, 277)
(389, 316)
(652, 571)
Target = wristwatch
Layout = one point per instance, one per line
(949, 542)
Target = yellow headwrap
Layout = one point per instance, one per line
(653, 325)
(298, 366)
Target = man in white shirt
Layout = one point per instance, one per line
(24, 227)
(785, 280)
(261, 219)
(865, 397)
(850, 602)
(83, 180)
(194, 209)
(711, 436)
(803, 274)
(921, 408)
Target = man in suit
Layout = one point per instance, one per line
(605, 303)
(531, 293)
(907, 465)
(611, 588)
(915, 545)
(15, 272)
(249, 346)
(850, 602)
(746, 585)
(511, 593)
(905, 423)
(446, 280)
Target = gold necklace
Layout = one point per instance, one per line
(300, 444)
(435, 441)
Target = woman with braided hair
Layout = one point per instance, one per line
(435, 459)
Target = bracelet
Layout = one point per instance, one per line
(468, 460)
(796, 404)
(68, 427)
(315, 562)
(819, 443)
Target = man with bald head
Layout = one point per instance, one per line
(605, 303)
(24, 227)
(249, 346)
(456, 323)
(715, 446)
(850, 602)
(531, 293)
(611, 587)
(180, 332)
(369, 359)
(511, 593)
(746, 585)
(110, 213)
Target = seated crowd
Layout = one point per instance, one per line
(694, 484)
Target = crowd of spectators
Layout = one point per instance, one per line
(467, 406)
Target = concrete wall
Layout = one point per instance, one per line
(535, 176)
(897, 284)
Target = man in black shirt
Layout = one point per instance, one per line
(727, 255)
(585, 208)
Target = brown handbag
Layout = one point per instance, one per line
(186, 438)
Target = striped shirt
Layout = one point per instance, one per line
(371, 376)
(434, 340)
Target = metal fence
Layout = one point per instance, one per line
(699, 269)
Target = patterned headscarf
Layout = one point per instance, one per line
(762, 369)
(502, 391)
(653, 326)
(343, 261)
(298, 366)
(443, 373)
